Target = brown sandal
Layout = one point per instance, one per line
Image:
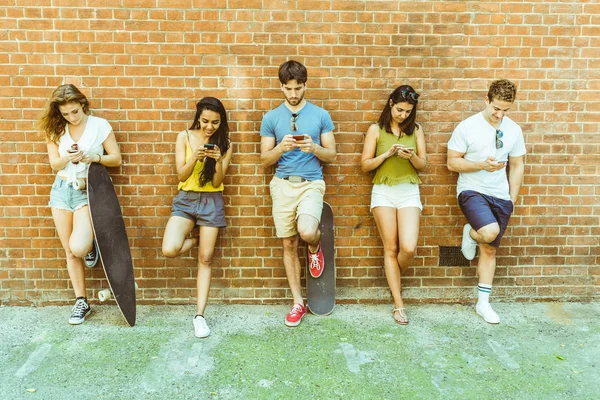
(403, 317)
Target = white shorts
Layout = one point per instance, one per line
(397, 196)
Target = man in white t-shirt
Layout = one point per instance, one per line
(479, 150)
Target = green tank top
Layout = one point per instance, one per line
(395, 170)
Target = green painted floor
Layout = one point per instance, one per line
(539, 351)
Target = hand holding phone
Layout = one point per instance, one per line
(406, 152)
(72, 150)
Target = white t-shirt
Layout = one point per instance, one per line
(95, 133)
(477, 139)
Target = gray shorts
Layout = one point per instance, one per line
(204, 208)
(64, 197)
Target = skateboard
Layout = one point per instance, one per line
(111, 238)
(320, 292)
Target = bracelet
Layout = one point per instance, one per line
(99, 158)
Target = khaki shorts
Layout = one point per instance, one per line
(291, 199)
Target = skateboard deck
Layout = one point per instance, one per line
(320, 292)
(111, 238)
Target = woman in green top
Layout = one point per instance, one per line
(395, 148)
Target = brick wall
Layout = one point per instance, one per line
(144, 64)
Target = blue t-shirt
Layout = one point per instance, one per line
(311, 120)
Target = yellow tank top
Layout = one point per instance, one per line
(395, 170)
(192, 183)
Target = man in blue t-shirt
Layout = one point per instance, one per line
(479, 150)
(298, 137)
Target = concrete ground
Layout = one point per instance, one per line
(539, 351)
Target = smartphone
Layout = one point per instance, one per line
(73, 149)
(409, 148)
(298, 137)
(209, 146)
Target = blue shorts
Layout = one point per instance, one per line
(64, 197)
(481, 210)
(204, 208)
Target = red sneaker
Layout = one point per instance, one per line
(295, 315)
(316, 262)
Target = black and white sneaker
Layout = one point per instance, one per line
(91, 258)
(80, 310)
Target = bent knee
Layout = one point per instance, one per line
(408, 251)
(489, 234)
(308, 235)
(170, 251)
(78, 250)
(490, 237)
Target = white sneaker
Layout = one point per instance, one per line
(469, 246)
(489, 315)
(201, 329)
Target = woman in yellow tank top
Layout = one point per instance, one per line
(202, 155)
(395, 149)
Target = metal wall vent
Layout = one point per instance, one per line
(451, 256)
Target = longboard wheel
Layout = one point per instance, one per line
(106, 294)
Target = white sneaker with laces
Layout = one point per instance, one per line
(468, 246)
(489, 315)
(201, 329)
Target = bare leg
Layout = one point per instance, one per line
(387, 224)
(175, 240)
(208, 239)
(408, 234)
(63, 219)
(486, 234)
(308, 229)
(292, 267)
(486, 267)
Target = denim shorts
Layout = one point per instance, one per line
(64, 197)
(204, 208)
(481, 210)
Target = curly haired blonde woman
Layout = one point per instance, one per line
(75, 139)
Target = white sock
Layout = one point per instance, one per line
(484, 293)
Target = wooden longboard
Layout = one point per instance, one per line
(320, 292)
(111, 237)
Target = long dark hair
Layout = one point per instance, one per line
(220, 137)
(51, 123)
(402, 94)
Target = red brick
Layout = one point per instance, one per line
(146, 78)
